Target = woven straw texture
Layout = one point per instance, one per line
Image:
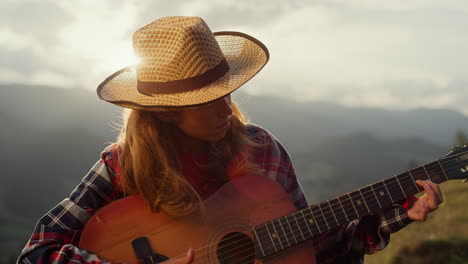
(178, 48)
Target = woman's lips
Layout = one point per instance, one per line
(224, 125)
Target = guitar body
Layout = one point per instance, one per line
(224, 228)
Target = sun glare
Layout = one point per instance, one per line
(116, 59)
(101, 40)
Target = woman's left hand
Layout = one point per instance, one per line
(430, 201)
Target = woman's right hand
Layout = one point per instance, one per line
(188, 259)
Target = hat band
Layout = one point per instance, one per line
(184, 85)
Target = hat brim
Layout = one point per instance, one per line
(245, 55)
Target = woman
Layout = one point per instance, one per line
(183, 138)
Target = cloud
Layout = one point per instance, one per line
(219, 14)
(322, 52)
(401, 5)
(28, 39)
(38, 20)
(23, 61)
(355, 52)
(229, 15)
(79, 43)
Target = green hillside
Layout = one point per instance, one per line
(443, 238)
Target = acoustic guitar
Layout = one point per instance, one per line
(251, 219)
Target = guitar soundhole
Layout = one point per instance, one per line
(236, 248)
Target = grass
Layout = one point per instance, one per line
(442, 238)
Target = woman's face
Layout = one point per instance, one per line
(209, 122)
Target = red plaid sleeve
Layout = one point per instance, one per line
(57, 233)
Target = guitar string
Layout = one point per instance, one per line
(407, 180)
(336, 202)
(404, 181)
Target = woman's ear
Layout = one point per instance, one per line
(168, 117)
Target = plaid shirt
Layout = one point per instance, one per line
(58, 232)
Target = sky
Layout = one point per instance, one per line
(363, 53)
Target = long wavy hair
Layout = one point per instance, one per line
(150, 160)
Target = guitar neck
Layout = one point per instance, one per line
(289, 230)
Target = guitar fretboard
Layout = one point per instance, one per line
(289, 230)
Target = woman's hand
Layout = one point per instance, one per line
(430, 201)
(183, 260)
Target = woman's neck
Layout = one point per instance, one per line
(192, 145)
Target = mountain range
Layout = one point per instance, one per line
(50, 137)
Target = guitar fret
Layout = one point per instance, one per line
(303, 224)
(409, 183)
(376, 196)
(338, 211)
(348, 207)
(389, 194)
(259, 242)
(313, 221)
(329, 214)
(316, 219)
(412, 178)
(342, 208)
(382, 194)
(334, 215)
(277, 227)
(365, 202)
(306, 222)
(298, 225)
(437, 172)
(276, 234)
(427, 174)
(351, 200)
(442, 168)
(371, 198)
(401, 187)
(272, 241)
(292, 230)
(396, 193)
(358, 201)
(324, 218)
(284, 232)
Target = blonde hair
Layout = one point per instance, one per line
(150, 165)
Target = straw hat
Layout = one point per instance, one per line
(182, 63)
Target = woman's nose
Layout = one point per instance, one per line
(224, 107)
